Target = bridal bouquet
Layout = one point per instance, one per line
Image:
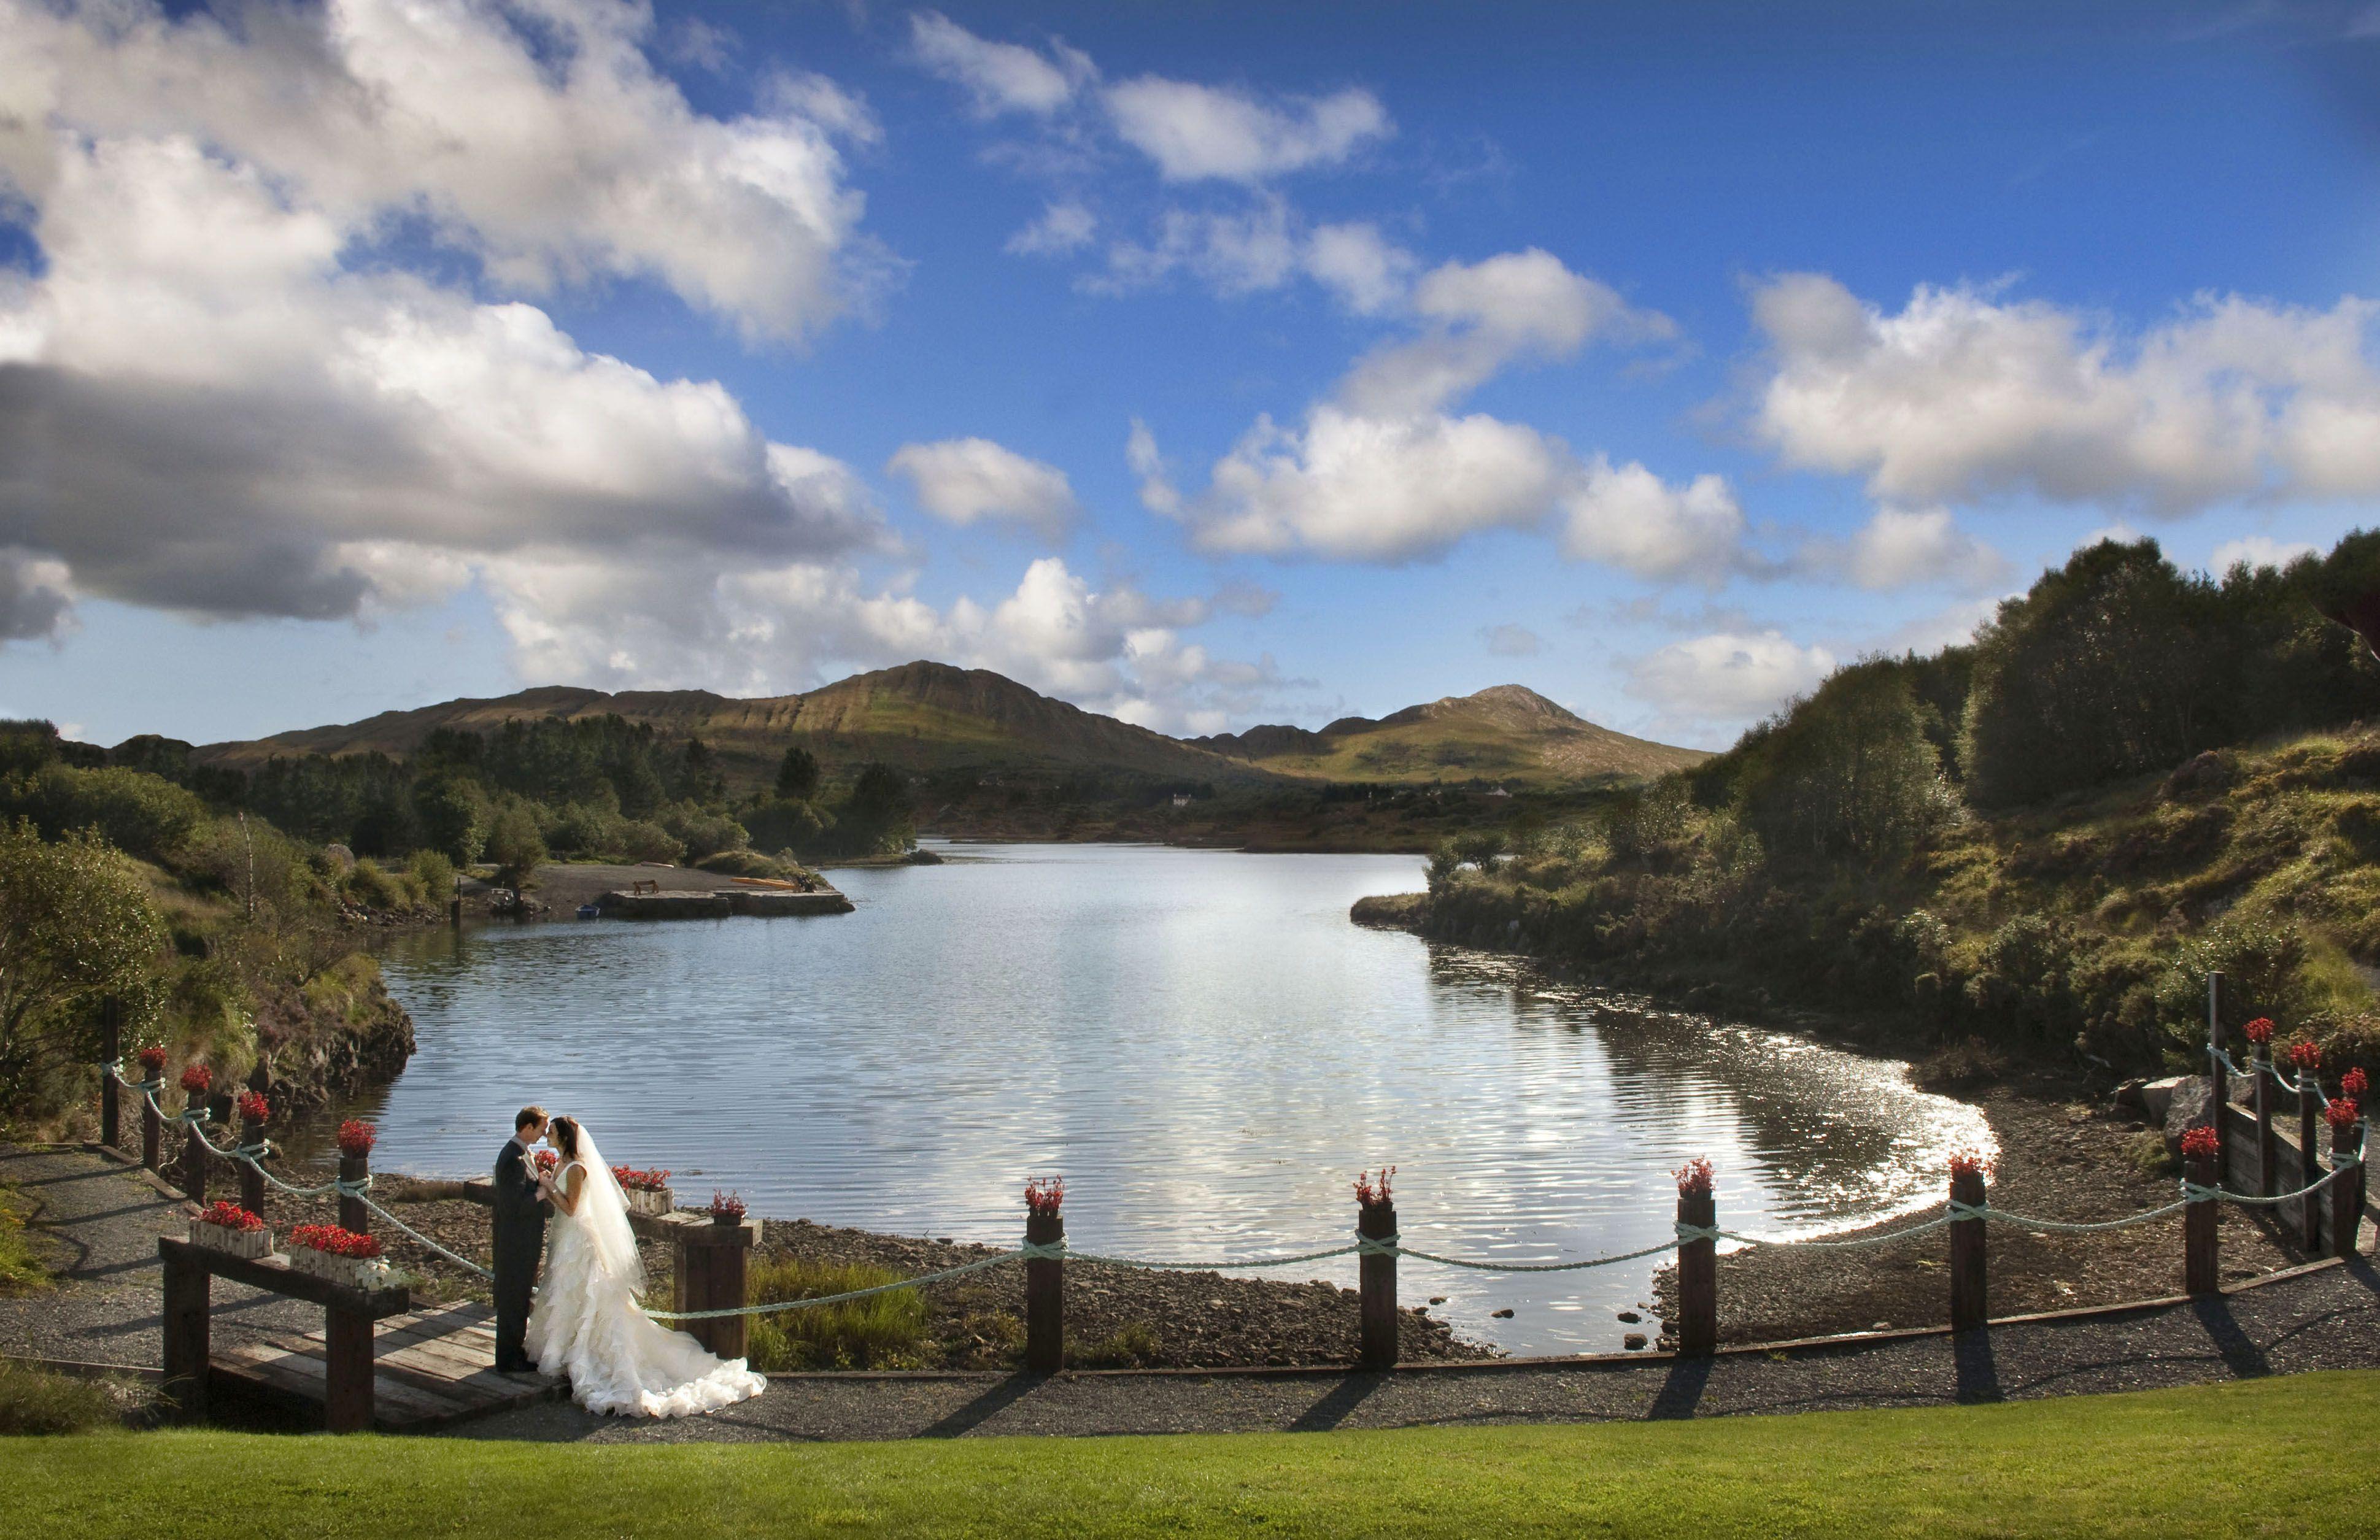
(229, 1229)
(648, 1191)
(546, 1160)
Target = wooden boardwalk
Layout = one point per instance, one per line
(429, 1368)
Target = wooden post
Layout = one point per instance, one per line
(2309, 1161)
(152, 1135)
(111, 1048)
(353, 1215)
(1376, 1280)
(348, 1371)
(251, 1177)
(1969, 1307)
(186, 1291)
(2218, 1080)
(2199, 1222)
(1045, 1296)
(194, 1165)
(2268, 1156)
(1697, 1278)
(713, 1270)
(2346, 1193)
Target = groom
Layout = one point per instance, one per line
(518, 1221)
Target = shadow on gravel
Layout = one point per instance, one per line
(1335, 1408)
(1682, 1391)
(1979, 1371)
(1007, 1393)
(2240, 1355)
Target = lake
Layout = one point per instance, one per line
(1199, 1041)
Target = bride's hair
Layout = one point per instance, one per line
(564, 1131)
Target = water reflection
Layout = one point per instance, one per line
(1198, 1041)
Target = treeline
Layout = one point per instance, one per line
(1973, 834)
(595, 788)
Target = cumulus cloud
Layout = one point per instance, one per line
(2257, 551)
(1906, 547)
(1367, 272)
(999, 77)
(1964, 394)
(1063, 227)
(1195, 132)
(963, 480)
(1721, 682)
(1263, 246)
(1628, 517)
(1511, 641)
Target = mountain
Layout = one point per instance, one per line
(919, 717)
(1505, 733)
(924, 717)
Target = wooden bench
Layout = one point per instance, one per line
(348, 1315)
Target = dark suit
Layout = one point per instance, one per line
(517, 1219)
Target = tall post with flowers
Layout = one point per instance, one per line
(2200, 1150)
(356, 1140)
(1697, 1261)
(2346, 1188)
(152, 1128)
(2260, 1036)
(253, 1110)
(1045, 1276)
(2306, 1060)
(1376, 1271)
(1970, 1308)
(195, 1080)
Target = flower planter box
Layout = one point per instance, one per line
(354, 1272)
(248, 1243)
(656, 1201)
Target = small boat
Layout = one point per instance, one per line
(591, 911)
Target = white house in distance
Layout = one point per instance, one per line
(1182, 799)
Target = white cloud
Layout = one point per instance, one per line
(1195, 132)
(2257, 551)
(1631, 519)
(1904, 548)
(1260, 249)
(1063, 227)
(962, 480)
(1963, 394)
(1726, 679)
(999, 77)
(1509, 640)
(1156, 490)
(1364, 269)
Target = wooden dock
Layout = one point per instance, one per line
(430, 1367)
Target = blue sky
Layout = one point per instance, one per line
(1203, 364)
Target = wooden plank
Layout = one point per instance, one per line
(306, 1376)
(276, 1276)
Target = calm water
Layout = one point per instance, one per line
(1199, 1041)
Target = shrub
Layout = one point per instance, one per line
(35, 1402)
(141, 815)
(367, 887)
(883, 1330)
(1134, 1346)
(435, 872)
(703, 833)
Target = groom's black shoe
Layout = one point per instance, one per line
(510, 1364)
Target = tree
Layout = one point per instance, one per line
(877, 815)
(76, 925)
(515, 846)
(798, 774)
(454, 814)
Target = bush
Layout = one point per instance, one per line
(367, 887)
(1129, 1347)
(435, 872)
(882, 1331)
(515, 846)
(703, 833)
(34, 1400)
(751, 862)
(139, 814)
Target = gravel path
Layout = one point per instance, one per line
(102, 1222)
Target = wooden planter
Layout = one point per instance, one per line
(248, 1244)
(353, 1272)
(656, 1201)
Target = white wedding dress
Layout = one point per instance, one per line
(587, 1324)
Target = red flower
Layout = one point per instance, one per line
(1373, 1193)
(2343, 1112)
(152, 1062)
(1694, 1176)
(725, 1206)
(196, 1080)
(253, 1105)
(640, 1182)
(2354, 1082)
(2304, 1055)
(2260, 1031)
(1044, 1194)
(357, 1137)
(332, 1240)
(229, 1215)
(2200, 1142)
(547, 1160)
(1970, 1162)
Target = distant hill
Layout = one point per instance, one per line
(1508, 733)
(919, 717)
(924, 717)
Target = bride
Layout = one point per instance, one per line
(587, 1323)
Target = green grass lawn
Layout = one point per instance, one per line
(2286, 1457)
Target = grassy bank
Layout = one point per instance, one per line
(2234, 1459)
